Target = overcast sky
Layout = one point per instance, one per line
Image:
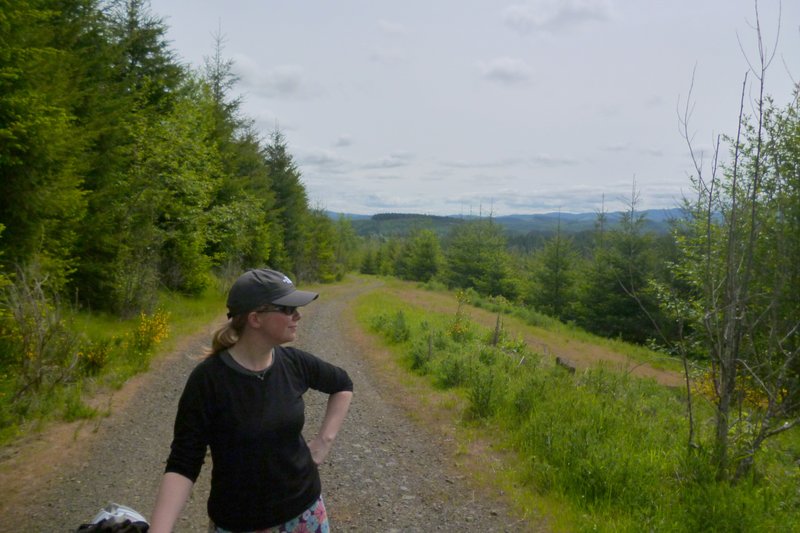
(452, 107)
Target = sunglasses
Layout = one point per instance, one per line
(287, 310)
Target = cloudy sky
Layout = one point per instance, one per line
(474, 106)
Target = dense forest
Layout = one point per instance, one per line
(124, 171)
(124, 174)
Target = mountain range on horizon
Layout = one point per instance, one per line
(655, 220)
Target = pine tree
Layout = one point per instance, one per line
(291, 207)
(421, 256)
(476, 257)
(243, 229)
(614, 299)
(555, 276)
(42, 148)
(128, 94)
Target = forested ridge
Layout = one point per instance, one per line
(127, 175)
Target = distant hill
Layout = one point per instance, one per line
(401, 224)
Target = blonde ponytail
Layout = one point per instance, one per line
(227, 335)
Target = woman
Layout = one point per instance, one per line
(245, 402)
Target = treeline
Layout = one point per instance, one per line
(586, 278)
(123, 172)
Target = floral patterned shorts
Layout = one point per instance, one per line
(313, 520)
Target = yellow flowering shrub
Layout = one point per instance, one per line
(750, 393)
(149, 333)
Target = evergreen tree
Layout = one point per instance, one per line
(243, 228)
(476, 256)
(291, 209)
(368, 263)
(386, 258)
(554, 276)
(347, 246)
(421, 256)
(42, 147)
(615, 299)
(121, 250)
(320, 255)
(179, 162)
(145, 65)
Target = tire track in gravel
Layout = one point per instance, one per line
(385, 473)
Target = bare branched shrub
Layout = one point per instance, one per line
(41, 350)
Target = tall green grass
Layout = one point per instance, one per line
(612, 448)
(531, 317)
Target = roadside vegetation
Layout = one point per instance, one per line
(56, 359)
(606, 449)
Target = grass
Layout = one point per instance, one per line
(549, 327)
(599, 450)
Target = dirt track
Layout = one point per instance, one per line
(385, 474)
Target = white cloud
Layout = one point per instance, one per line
(652, 152)
(632, 149)
(505, 70)
(393, 160)
(499, 163)
(549, 161)
(549, 15)
(324, 161)
(380, 201)
(283, 81)
(343, 141)
(616, 147)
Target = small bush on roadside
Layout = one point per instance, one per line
(421, 353)
(451, 370)
(150, 331)
(94, 356)
(482, 392)
(461, 328)
(393, 327)
(41, 351)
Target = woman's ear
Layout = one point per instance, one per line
(253, 319)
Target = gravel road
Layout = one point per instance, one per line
(385, 474)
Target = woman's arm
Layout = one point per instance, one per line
(338, 405)
(172, 496)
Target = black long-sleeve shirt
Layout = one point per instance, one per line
(263, 473)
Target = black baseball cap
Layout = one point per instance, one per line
(256, 288)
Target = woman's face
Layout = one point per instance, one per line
(277, 326)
